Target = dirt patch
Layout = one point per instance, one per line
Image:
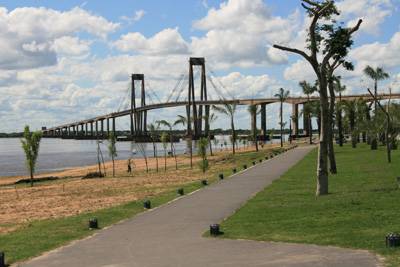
(70, 195)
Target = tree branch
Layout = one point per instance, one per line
(355, 28)
(293, 50)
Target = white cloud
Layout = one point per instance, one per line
(139, 14)
(373, 13)
(29, 37)
(241, 32)
(167, 41)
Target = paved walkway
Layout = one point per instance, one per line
(172, 234)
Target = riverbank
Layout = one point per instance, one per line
(71, 195)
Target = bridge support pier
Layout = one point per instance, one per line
(138, 119)
(295, 120)
(97, 129)
(102, 128)
(113, 126)
(108, 127)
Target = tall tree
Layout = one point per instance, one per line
(153, 129)
(376, 75)
(253, 110)
(112, 149)
(31, 145)
(229, 110)
(328, 44)
(308, 90)
(282, 96)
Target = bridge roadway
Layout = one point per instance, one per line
(262, 101)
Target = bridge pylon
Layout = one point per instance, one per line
(195, 122)
(138, 118)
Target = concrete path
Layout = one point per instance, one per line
(172, 234)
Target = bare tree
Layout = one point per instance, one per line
(112, 149)
(328, 44)
(153, 128)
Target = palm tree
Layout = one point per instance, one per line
(212, 118)
(282, 96)
(377, 74)
(153, 129)
(31, 144)
(339, 88)
(253, 110)
(308, 89)
(229, 110)
(171, 138)
(112, 149)
(164, 141)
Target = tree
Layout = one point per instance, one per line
(253, 110)
(31, 145)
(171, 139)
(112, 149)
(328, 44)
(202, 151)
(212, 118)
(184, 121)
(308, 89)
(229, 110)
(282, 96)
(376, 74)
(153, 129)
(164, 141)
(339, 89)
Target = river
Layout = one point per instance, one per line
(59, 154)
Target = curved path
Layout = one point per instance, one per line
(171, 235)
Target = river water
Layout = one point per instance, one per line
(58, 154)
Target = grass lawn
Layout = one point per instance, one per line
(362, 207)
(44, 235)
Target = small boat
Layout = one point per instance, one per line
(134, 151)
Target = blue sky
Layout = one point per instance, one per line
(66, 60)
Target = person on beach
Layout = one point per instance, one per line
(129, 166)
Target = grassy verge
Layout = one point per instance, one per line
(44, 235)
(362, 207)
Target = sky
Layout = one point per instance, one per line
(63, 61)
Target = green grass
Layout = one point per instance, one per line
(362, 207)
(37, 237)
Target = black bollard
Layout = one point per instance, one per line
(234, 170)
(392, 240)
(181, 192)
(93, 223)
(221, 176)
(204, 182)
(2, 259)
(260, 160)
(254, 163)
(244, 166)
(214, 229)
(147, 204)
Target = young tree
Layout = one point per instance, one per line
(253, 110)
(112, 149)
(164, 141)
(328, 44)
(308, 89)
(282, 96)
(184, 121)
(30, 145)
(171, 139)
(202, 151)
(212, 118)
(229, 110)
(153, 129)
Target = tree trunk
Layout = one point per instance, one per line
(113, 162)
(281, 117)
(31, 173)
(155, 155)
(310, 128)
(233, 135)
(165, 160)
(339, 118)
(209, 143)
(331, 151)
(322, 168)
